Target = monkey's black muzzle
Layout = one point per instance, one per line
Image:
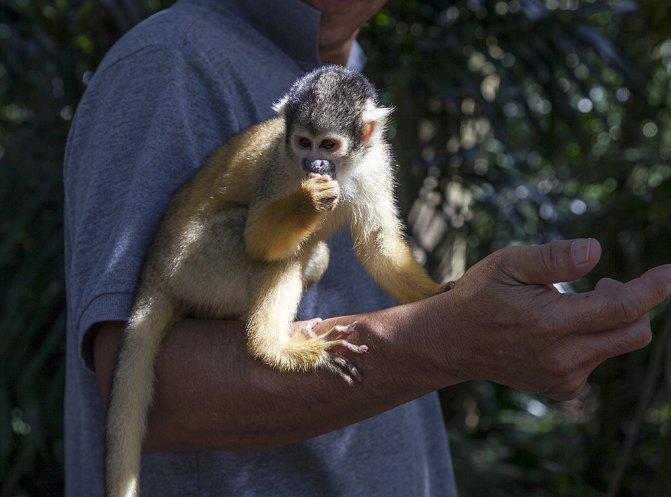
(319, 166)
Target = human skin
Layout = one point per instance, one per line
(502, 321)
(340, 23)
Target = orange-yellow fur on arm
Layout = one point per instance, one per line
(276, 230)
(396, 270)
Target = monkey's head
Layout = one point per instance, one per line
(333, 117)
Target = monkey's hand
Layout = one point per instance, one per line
(322, 191)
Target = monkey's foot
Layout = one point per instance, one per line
(336, 336)
(333, 344)
(337, 341)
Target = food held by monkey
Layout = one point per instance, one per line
(247, 235)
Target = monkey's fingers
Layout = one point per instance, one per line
(349, 368)
(309, 328)
(320, 177)
(337, 336)
(340, 331)
(357, 349)
(323, 191)
(344, 369)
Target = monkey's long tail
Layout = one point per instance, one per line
(132, 392)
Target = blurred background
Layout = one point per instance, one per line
(517, 121)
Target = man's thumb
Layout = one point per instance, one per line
(554, 262)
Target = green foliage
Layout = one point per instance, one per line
(517, 121)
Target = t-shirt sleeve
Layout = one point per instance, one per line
(146, 123)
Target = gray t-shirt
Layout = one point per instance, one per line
(169, 92)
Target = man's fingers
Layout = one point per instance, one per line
(615, 305)
(606, 283)
(642, 294)
(612, 343)
(571, 364)
(560, 260)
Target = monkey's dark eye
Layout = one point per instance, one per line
(304, 142)
(328, 144)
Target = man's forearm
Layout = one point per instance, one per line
(501, 321)
(210, 394)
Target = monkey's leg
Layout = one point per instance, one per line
(276, 292)
(133, 390)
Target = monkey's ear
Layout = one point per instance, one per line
(374, 120)
(280, 106)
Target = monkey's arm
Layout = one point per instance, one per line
(380, 246)
(396, 270)
(277, 227)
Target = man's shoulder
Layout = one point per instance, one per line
(184, 30)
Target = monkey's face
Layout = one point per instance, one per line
(320, 153)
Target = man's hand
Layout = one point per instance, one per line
(509, 325)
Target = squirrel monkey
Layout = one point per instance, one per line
(247, 235)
